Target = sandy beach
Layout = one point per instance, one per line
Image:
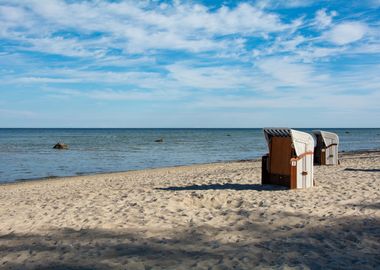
(212, 216)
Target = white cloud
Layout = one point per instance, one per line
(116, 95)
(298, 3)
(188, 18)
(315, 53)
(143, 41)
(144, 80)
(347, 32)
(216, 77)
(163, 95)
(135, 27)
(61, 46)
(323, 19)
(366, 49)
(291, 100)
(30, 80)
(347, 90)
(274, 4)
(289, 73)
(17, 113)
(249, 102)
(11, 14)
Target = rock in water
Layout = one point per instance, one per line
(61, 146)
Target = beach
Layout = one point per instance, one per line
(210, 216)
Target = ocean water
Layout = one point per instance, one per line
(28, 153)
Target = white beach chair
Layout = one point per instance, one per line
(326, 149)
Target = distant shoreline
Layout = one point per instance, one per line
(53, 178)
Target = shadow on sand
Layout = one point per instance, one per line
(375, 206)
(342, 243)
(361, 170)
(256, 187)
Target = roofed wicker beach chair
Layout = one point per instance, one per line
(289, 162)
(326, 149)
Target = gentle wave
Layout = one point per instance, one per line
(28, 153)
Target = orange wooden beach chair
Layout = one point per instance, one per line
(290, 159)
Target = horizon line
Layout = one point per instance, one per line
(188, 127)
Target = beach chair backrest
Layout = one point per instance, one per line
(280, 155)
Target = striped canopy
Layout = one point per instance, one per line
(328, 137)
(303, 142)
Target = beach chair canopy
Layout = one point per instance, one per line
(302, 142)
(328, 137)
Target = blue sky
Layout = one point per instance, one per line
(296, 63)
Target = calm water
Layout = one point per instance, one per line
(28, 153)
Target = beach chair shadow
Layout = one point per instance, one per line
(361, 170)
(375, 206)
(257, 187)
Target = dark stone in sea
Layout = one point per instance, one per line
(160, 140)
(61, 146)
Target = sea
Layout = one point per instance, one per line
(27, 154)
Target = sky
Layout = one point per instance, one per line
(202, 64)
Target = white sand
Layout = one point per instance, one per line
(216, 216)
